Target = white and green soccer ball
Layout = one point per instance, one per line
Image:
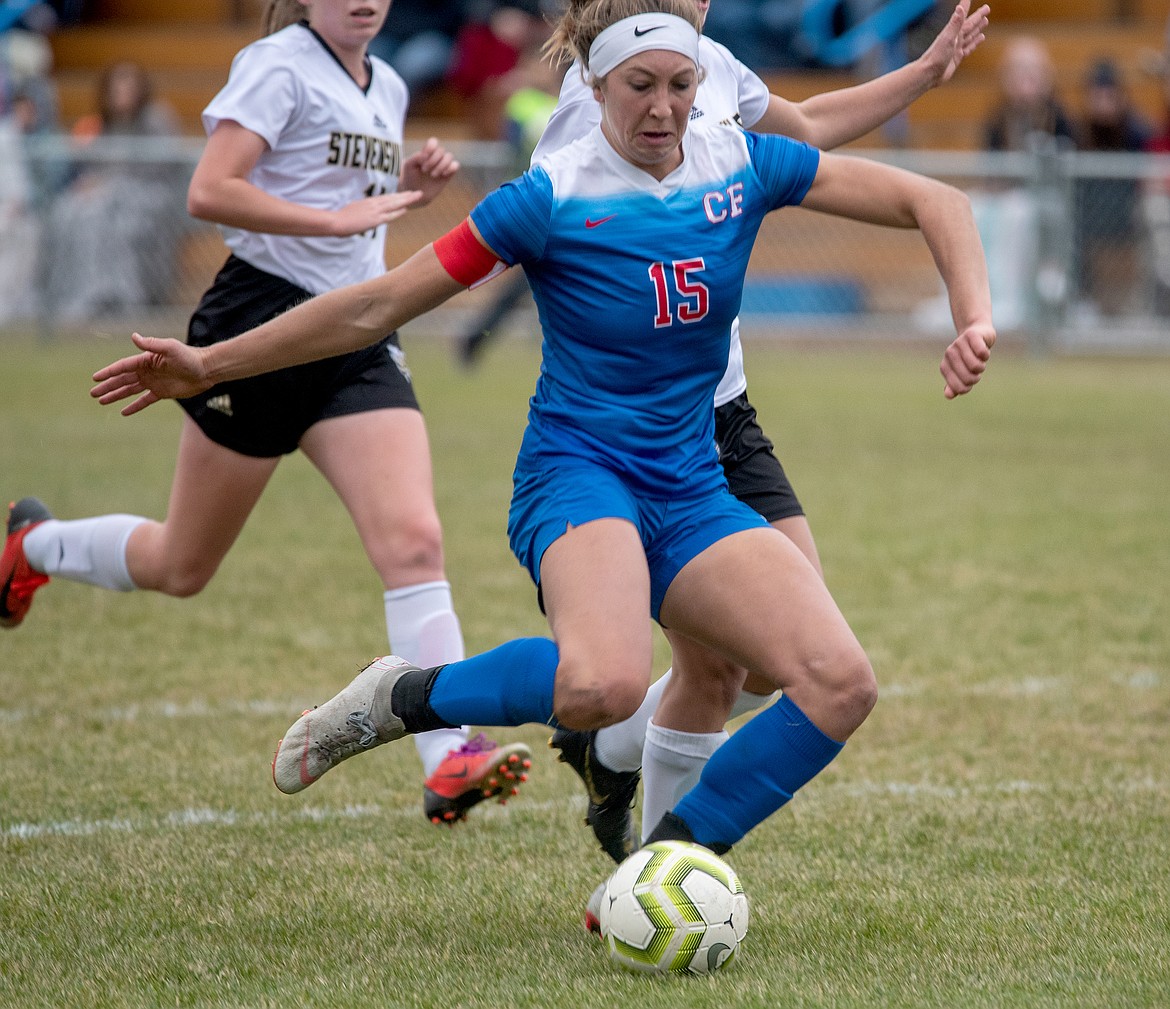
(673, 908)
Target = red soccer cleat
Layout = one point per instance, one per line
(478, 770)
(18, 581)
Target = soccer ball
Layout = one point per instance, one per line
(673, 908)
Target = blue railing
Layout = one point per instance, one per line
(12, 11)
(883, 24)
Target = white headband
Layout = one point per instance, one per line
(640, 34)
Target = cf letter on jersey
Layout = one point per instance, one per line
(721, 205)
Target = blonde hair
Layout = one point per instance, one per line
(584, 20)
(282, 13)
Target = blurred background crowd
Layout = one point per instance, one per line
(111, 91)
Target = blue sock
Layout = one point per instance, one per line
(754, 773)
(508, 685)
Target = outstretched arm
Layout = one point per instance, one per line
(836, 117)
(334, 323)
(880, 194)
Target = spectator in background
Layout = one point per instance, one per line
(126, 106)
(19, 229)
(489, 48)
(26, 69)
(110, 243)
(1028, 105)
(1106, 222)
(29, 92)
(1025, 240)
(529, 106)
(531, 89)
(1156, 201)
(28, 107)
(1159, 140)
(417, 40)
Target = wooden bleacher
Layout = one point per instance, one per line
(188, 62)
(1075, 47)
(950, 117)
(188, 49)
(188, 55)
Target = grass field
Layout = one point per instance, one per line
(997, 834)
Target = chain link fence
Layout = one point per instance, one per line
(1078, 247)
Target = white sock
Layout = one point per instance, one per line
(423, 629)
(746, 702)
(619, 747)
(84, 550)
(671, 764)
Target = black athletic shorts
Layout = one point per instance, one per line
(267, 415)
(753, 472)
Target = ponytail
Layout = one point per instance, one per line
(559, 47)
(280, 14)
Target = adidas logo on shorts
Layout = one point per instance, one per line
(222, 404)
(399, 359)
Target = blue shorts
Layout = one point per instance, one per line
(673, 531)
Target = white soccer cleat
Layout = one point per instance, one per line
(353, 721)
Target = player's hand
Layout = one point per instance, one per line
(959, 38)
(372, 212)
(429, 170)
(166, 369)
(966, 359)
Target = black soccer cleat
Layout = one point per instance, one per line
(673, 827)
(611, 793)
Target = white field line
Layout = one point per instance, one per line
(201, 818)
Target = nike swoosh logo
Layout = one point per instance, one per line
(639, 32)
(306, 777)
(600, 221)
(461, 774)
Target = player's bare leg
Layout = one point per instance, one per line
(389, 494)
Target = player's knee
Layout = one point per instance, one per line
(854, 689)
(726, 680)
(835, 687)
(712, 682)
(411, 552)
(591, 698)
(592, 709)
(185, 580)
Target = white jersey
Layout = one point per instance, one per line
(329, 143)
(730, 92)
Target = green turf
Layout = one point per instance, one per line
(997, 834)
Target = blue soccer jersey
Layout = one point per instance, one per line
(637, 283)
